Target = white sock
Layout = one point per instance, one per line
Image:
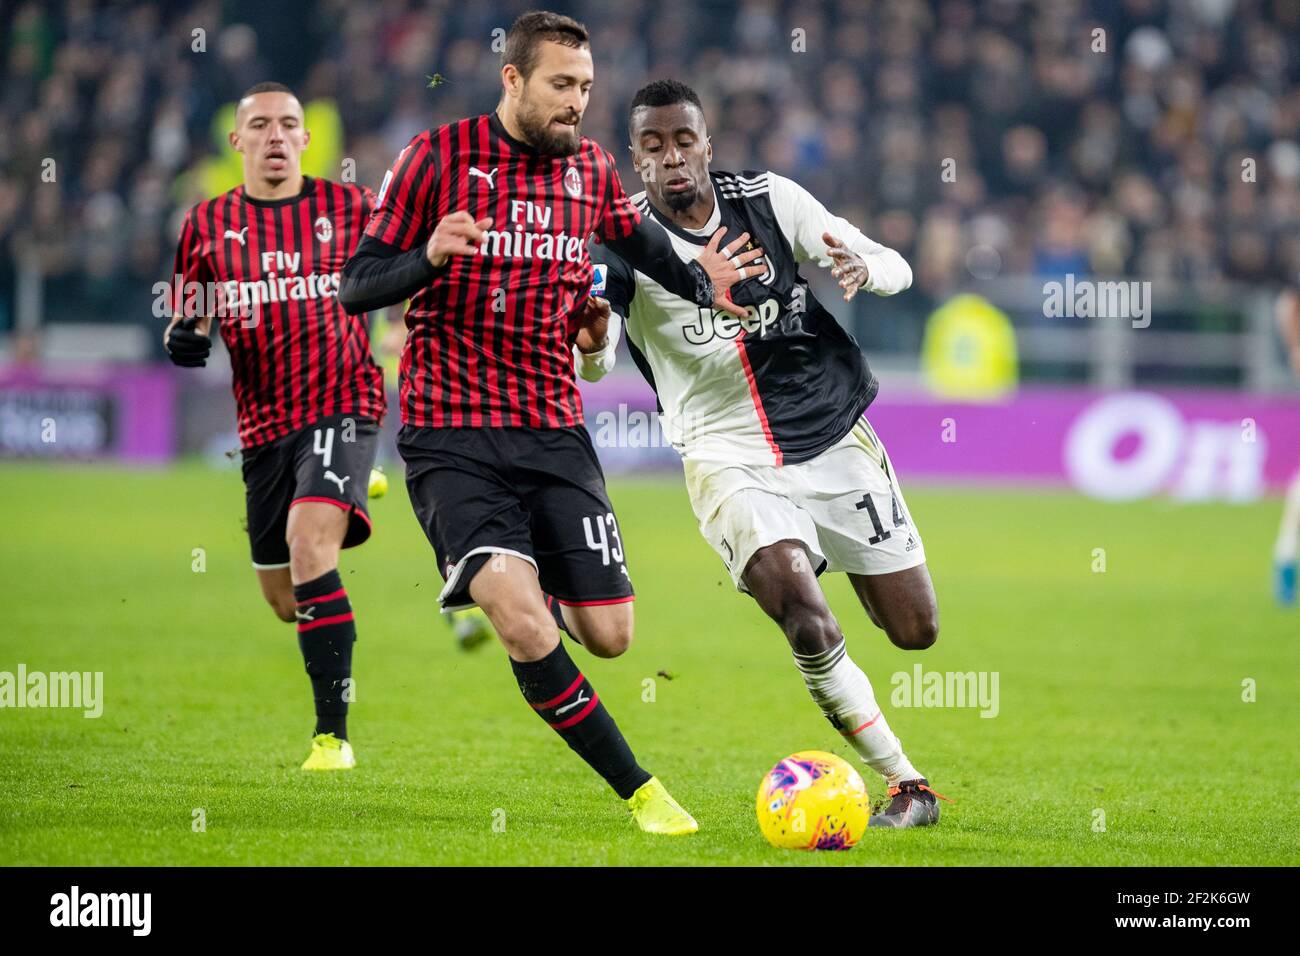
(844, 694)
(1285, 549)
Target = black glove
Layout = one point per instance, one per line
(703, 285)
(187, 348)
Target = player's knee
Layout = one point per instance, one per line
(916, 632)
(306, 543)
(311, 552)
(810, 629)
(608, 640)
(526, 636)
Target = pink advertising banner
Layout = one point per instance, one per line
(1192, 445)
(88, 411)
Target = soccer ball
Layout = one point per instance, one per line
(813, 800)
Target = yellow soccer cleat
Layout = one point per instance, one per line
(655, 811)
(329, 753)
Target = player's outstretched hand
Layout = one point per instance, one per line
(849, 267)
(726, 267)
(455, 235)
(186, 346)
(593, 325)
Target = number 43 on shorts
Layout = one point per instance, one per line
(607, 542)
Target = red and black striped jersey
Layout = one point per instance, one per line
(488, 341)
(296, 355)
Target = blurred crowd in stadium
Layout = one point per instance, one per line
(979, 137)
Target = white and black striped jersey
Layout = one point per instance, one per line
(778, 387)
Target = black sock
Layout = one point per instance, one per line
(566, 700)
(326, 632)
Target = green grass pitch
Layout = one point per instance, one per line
(1120, 692)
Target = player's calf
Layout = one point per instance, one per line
(788, 592)
(277, 589)
(326, 626)
(548, 678)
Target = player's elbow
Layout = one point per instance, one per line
(897, 274)
(350, 295)
(905, 275)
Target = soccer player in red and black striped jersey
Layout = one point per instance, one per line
(483, 223)
(263, 260)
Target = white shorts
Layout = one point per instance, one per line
(845, 506)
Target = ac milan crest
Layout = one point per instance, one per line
(573, 182)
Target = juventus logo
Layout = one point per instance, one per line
(489, 176)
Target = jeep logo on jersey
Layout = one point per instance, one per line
(709, 324)
(324, 229)
(573, 182)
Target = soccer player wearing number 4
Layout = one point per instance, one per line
(309, 396)
(785, 475)
(483, 224)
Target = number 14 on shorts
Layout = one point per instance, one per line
(870, 506)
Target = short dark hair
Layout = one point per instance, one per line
(665, 93)
(535, 28)
(268, 87)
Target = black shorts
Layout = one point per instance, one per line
(537, 493)
(329, 461)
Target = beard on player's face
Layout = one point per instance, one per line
(538, 122)
(680, 200)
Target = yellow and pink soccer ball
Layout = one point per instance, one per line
(813, 800)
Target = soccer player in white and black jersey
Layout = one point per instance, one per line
(785, 474)
(483, 224)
